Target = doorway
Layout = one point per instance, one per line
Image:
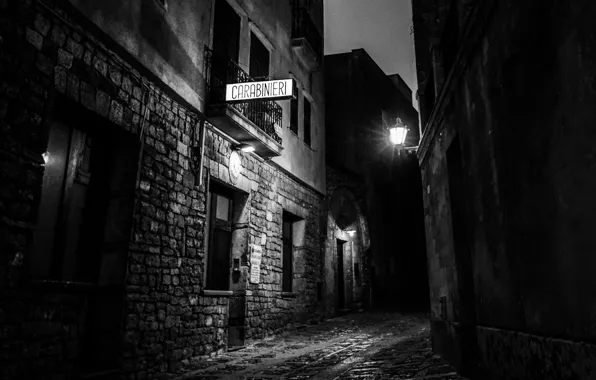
(228, 254)
(341, 292)
(85, 221)
(103, 331)
(220, 240)
(463, 260)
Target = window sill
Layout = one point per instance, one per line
(57, 286)
(102, 374)
(217, 293)
(288, 295)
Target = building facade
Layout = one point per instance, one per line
(507, 94)
(367, 180)
(136, 231)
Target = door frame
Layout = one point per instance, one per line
(341, 280)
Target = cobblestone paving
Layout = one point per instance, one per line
(358, 346)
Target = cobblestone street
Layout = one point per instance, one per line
(371, 345)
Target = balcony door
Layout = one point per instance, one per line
(259, 58)
(226, 34)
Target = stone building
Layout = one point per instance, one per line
(371, 190)
(402, 86)
(136, 231)
(507, 94)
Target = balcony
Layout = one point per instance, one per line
(307, 42)
(251, 122)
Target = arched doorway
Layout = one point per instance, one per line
(345, 264)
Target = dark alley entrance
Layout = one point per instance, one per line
(369, 345)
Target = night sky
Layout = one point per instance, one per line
(381, 27)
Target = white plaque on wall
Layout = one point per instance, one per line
(235, 167)
(255, 263)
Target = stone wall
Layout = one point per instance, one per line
(40, 327)
(40, 333)
(507, 354)
(519, 103)
(357, 291)
(270, 192)
(46, 59)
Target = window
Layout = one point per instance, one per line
(220, 239)
(307, 122)
(294, 115)
(226, 32)
(70, 212)
(287, 252)
(259, 58)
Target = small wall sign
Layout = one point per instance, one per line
(266, 90)
(255, 263)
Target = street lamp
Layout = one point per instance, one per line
(398, 133)
(46, 158)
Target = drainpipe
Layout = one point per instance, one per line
(200, 154)
(146, 102)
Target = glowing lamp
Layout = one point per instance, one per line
(46, 157)
(398, 133)
(245, 148)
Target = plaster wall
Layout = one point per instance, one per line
(167, 41)
(170, 43)
(522, 111)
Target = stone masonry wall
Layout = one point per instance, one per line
(49, 56)
(45, 56)
(336, 179)
(357, 290)
(40, 328)
(40, 334)
(270, 192)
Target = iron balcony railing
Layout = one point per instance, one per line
(304, 27)
(221, 71)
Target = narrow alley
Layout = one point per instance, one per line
(297, 189)
(365, 345)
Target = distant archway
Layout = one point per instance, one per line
(347, 214)
(347, 241)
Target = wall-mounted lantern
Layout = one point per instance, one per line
(46, 158)
(398, 133)
(245, 148)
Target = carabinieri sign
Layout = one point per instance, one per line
(277, 89)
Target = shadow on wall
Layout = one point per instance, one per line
(159, 34)
(400, 272)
